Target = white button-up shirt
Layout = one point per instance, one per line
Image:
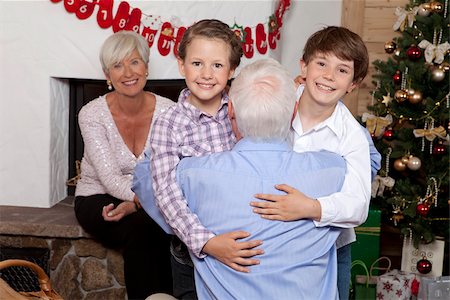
(341, 133)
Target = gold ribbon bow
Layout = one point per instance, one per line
(379, 184)
(376, 125)
(405, 16)
(431, 134)
(434, 52)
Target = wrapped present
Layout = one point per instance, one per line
(395, 285)
(432, 252)
(367, 245)
(434, 288)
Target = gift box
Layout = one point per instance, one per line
(434, 288)
(367, 245)
(432, 252)
(395, 285)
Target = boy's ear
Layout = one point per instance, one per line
(353, 86)
(181, 66)
(231, 73)
(303, 68)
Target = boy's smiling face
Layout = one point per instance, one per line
(206, 69)
(328, 79)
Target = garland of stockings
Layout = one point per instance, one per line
(129, 18)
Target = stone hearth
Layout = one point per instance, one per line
(79, 267)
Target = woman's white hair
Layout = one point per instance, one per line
(263, 97)
(120, 45)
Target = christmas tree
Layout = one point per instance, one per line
(409, 122)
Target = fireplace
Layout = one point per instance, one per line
(85, 90)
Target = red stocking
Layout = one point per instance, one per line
(122, 15)
(247, 46)
(86, 9)
(71, 5)
(165, 38)
(149, 34)
(261, 39)
(134, 22)
(104, 14)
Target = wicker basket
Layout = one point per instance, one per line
(46, 291)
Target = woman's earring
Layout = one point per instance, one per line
(146, 74)
(108, 82)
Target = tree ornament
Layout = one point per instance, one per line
(445, 66)
(401, 95)
(414, 97)
(390, 47)
(437, 74)
(436, 7)
(423, 209)
(397, 52)
(376, 125)
(424, 10)
(399, 165)
(424, 266)
(397, 77)
(414, 53)
(414, 163)
(439, 148)
(388, 134)
(405, 159)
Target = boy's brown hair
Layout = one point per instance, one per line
(213, 29)
(343, 43)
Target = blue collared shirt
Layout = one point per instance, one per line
(300, 259)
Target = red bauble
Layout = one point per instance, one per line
(423, 209)
(414, 53)
(397, 77)
(388, 134)
(424, 266)
(439, 149)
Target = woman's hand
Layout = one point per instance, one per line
(112, 214)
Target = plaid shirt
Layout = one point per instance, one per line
(184, 131)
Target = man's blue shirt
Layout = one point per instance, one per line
(300, 259)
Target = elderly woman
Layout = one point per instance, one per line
(116, 129)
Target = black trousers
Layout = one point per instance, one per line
(144, 245)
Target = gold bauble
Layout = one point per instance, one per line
(426, 5)
(405, 159)
(436, 7)
(415, 97)
(445, 66)
(401, 95)
(423, 10)
(390, 47)
(399, 165)
(437, 74)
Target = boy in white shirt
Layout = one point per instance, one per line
(335, 61)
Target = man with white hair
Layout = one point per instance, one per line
(299, 259)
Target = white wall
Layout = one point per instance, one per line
(41, 42)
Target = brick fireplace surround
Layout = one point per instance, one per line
(80, 268)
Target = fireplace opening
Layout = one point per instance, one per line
(84, 90)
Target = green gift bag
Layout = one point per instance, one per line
(365, 285)
(360, 287)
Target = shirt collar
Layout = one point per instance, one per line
(334, 122)
(197, 113)
(247, 144)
